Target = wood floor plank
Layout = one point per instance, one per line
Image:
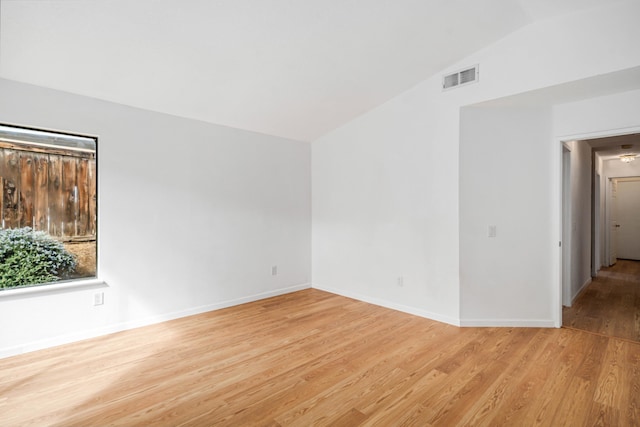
(313, 358)
(380, 354)
(237, 378)
(556, 389)
(507, 384)
(527, 389)
(576, 402)
(610, 385)
(630, 409)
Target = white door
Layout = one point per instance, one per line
(628, 219)
(613, 223)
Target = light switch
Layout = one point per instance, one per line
(98, 298)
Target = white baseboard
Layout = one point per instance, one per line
(508, 323)
(78, 336)
(520, 323)
(394, 306)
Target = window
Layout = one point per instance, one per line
(48, 207)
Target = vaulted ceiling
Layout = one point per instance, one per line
(291, 68)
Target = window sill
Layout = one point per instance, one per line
(55, 287)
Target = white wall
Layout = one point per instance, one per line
(598, 116)
(191, 218)
(505, 174)
(385, 206)
(581, 211)
(600, 217)
(386, 185)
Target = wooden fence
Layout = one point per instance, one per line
(52, 190)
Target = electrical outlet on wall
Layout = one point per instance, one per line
(400, 281)
(274, 270)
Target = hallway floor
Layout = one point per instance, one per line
(611, 303)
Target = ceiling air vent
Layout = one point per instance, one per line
(460, 78)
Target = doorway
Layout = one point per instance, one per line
(623, 219)
(598, 248)
(627, 216)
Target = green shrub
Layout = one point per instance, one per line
(30, 257)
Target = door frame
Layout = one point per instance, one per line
(609, 206)
(558, 143)
(567, 229)
(608, 236)
(596, 222)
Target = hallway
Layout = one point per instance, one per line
(611, 303)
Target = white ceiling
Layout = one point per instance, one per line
(291, 68)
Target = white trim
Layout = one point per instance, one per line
(599, 134)
(596, 222)
(391, 305)
(66, 339)
(607, 220)
(607, 213)
(28, 144)
(514, 323)
(85, 135)
(520, 323)
(566, 233)
(558, 149)
(53, 287)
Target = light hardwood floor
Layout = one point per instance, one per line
(313, 358)
(610, 305)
